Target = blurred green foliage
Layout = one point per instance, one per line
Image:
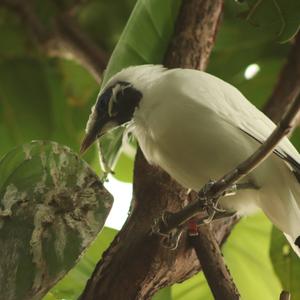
(286, 263)
(50, 98)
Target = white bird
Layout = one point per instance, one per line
(197, 127)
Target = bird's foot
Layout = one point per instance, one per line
(210, 205)
(234, 188)
(171, 239)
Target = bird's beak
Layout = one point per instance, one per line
(88, 140)
(98, 130)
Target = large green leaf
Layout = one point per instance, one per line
(246, 253)
(72, 285)
(52, 206)
(278, 18)
(163, 294)
(286, 263)
(143, 41)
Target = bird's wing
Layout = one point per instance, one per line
(234, 108)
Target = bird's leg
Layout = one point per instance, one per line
(210, 205)
(171, 240)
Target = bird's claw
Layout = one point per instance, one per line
(156, 226)
(171, 239)
(211, 205)
(231, 190)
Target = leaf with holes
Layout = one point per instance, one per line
(52, 206)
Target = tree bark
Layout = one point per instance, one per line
(215, 270)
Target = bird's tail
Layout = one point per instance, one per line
(293, 232)
(282, 205)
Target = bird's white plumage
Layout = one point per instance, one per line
(197, 127)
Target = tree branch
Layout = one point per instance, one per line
(287, 86)
(213, 265)
(64, 39)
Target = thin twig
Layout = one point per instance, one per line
(219, 187)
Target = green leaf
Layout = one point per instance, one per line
(146, 35)
(195, 288)
(143, 41)
(246, 253)
(110, 148)
(52, 206)
(72, 285)
(163, 294)
(124, 168)
(247, 256)
(286, 263)
(278, 18)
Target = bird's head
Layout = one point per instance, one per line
(118, 100)
(115, 106)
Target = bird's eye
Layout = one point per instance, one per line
(103, 101)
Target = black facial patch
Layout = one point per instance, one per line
(124, 104)
(297, 241)
(127, 101)
(103, 101)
